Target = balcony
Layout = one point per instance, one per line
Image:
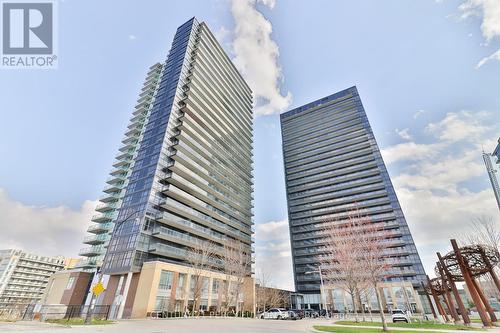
(174, 252)
(127, 145)
(150, 84)
(110, 197)
(118, 171)
(103, 218)
(96, 239)
(92, 251)
(141, 117)
(88, 263)
(113, 188)
(128, 154)
(123, 162)
(100, 228)
(118, 178)
(144, 98)
(106, 207)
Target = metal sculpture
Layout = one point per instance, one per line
(464, 264)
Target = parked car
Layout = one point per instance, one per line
(300, 313)
(292, 315)
(325, 313)
(399, 315)
(310, 313)
(275, 313)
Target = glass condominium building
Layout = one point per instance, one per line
(184, 172)
(332, 165)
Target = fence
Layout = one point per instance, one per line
(198, 314)
(13, 311)
(51, 311)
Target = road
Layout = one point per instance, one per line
(207, 325)
(229, 325)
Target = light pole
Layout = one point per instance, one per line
(322, 287)
(90, 311)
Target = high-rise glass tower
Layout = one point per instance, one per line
(114, 190)
(332, 166)
(492, 172)
(184, 173)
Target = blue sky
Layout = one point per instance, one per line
(415, 64)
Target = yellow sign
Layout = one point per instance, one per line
(98, 289)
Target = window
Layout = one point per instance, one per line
(70, 283)
(166, 278)
(215, 286)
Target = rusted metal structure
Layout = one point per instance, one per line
(434, 288)
(464, 264)
(434, 314)
(467, 263)
(449, 277)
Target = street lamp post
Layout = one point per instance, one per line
(90, 311)
(322, 287)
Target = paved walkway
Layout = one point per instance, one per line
(496, 329)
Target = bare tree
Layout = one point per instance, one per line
(200, 257)
(267, 296)
(277, 298)
(373, 238)
(483, 230)
(355, 258)
(341, 266)
(237, 266)
(261, 294)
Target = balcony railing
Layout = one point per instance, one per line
(96, 239)
(105, 207)
(91, 251)
(103, 218)
(100, 228)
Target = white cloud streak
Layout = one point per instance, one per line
(418, 114)
(256, 55)
(489, 12)
(404, 134)
(494, 56)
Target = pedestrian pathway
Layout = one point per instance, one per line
(494, 329)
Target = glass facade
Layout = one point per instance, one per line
(333, 165)
(190, 179)
(116, 185)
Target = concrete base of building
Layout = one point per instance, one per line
(169, 288)
(395, 295)
(67, 288)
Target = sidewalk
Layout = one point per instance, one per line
(493, 329)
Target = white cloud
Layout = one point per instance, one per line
(222, 33)
(418, 113)
(404, 134)
(435, 219)
(132, 37)
(431, 180)
(273, 253)
(444, 173)
(410, 151)
(494, 56)
(458, 126)
(257, 56)
(489, 12)
(45, 230)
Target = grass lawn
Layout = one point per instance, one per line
(423, 324)
(359, 330)
(78, 321)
